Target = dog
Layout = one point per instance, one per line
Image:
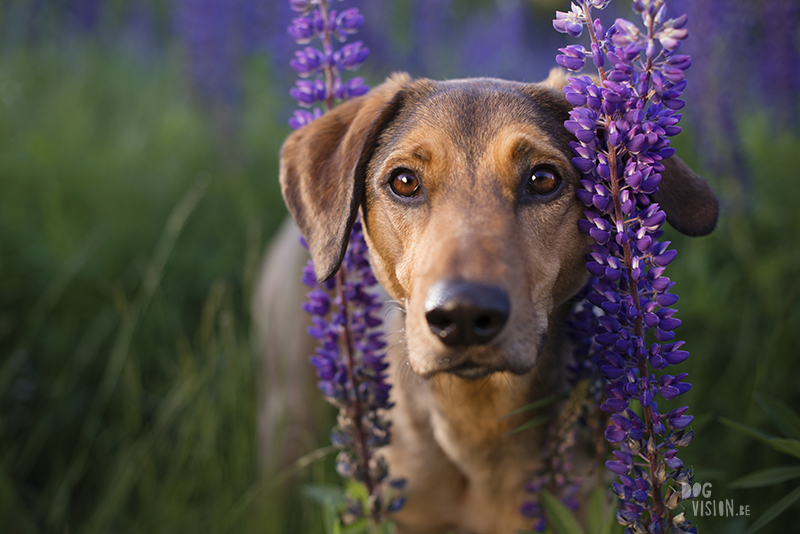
(467, 195)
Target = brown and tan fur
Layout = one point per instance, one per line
(471, 143)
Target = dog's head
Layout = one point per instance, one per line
(468, 195)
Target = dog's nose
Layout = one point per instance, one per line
(464, 313)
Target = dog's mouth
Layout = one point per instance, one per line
(469, 370)
(475, 363)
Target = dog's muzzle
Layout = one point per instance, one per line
(462, 314)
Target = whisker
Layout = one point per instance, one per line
(391, 309)
(510, 385)
(388, 334)
(477, 390)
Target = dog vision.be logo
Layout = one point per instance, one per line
(707, 506)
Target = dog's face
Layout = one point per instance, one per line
(468, 195)
(472, 221)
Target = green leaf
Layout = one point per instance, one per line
(766, 477)
(600, 513)
(612, 525)
(325, 494)
(781, 414)
(559, 516)
(750, 431)
(358, 527)
(777, 509)
(596, 512)
(536, 421)
(541, 403)
(357, 491)
(786, 446)
(332, 522)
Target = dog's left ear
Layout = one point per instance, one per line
(687, 199)
(689, 202)
(323, 166)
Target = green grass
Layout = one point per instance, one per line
(129, 240)
(740, 308)
(130, 236)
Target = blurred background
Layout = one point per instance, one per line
(139, 190)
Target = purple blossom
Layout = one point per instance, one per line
(347, 23)
(351, 56)
(573, 58)
(570, 22)
(508, 29)
(350, 358)
(351, 367)
(302, 117)
(302, 6)
(302, 30)
(621, 127)
(205, 29)
(86, 13)
(321, 68)
(308, 62)
(555, 473)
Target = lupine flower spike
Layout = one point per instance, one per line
(350, 358)
(621, 126)
(320, 70)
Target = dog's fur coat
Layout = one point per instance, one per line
(472, 145)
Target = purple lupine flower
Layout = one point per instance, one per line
(351, 367)
(621, 129)
(555, 473)
(205, 29)
(570, 22)
(321, 68)
(351, 56)
(85, 13)
(350, 358)
(347, 23)
(302, 117)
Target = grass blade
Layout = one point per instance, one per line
(750, 431)
(787, 419)
(597, 512)
(119, 352)
(786, 446)
(541, 403)
(777, 509)
(766, 477)
(325, 493)
(561, 518)
(536, 421)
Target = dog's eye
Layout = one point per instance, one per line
(405, 184)
(543, 181)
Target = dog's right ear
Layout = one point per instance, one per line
(323, 167)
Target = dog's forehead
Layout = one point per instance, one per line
(471, 112)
